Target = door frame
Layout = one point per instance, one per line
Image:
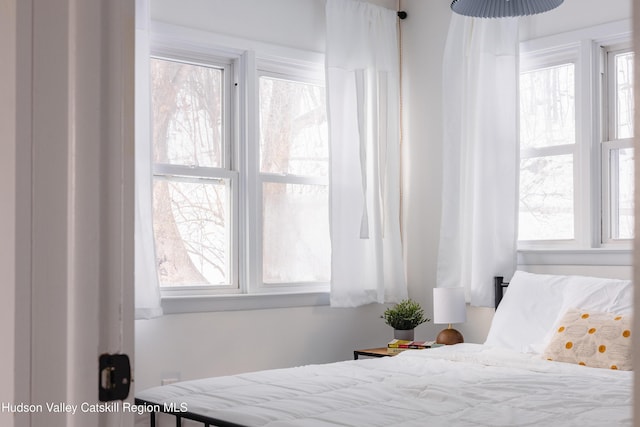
(70, 116)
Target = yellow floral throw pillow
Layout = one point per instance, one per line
(595, 339)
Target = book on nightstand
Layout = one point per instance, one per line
(397, 346)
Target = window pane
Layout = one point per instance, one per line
(293, 128)
(547, 107)
(191, 227)
(546, 198)
(622, 194)
(624, 95)
(187, 116)
(296, 245)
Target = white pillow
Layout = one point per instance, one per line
(528, 312)
(597, 294)
(533, 304)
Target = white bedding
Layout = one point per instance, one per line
(462, 385)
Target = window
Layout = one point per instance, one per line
(193, 193)
(547, 153)
(617, 146)
(576, 151)
(293, 176)
(240, 150)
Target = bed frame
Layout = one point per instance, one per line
(179, 416)
(499, 286)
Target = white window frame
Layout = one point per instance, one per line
(535, 61)
(588, 246)
(292, 70)
(246, 59)
(194, 173)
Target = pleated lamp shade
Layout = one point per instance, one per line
(502, 8)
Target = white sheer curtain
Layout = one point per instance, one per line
(363, 98)
(480, 147)
(147, 304)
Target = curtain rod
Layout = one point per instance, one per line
(402, 14)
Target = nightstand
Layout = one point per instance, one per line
(372, 352)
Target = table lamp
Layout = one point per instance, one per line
(449, 307)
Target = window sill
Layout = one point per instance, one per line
(600, 256)
(235, 302)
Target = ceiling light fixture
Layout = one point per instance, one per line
(502, 8)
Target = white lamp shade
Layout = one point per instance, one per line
(449, 305)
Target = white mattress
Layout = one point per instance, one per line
(462, 385)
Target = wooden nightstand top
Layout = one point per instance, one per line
(384, 351)
(372, 352)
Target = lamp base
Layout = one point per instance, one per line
(449, 336)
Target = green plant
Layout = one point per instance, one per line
(407, 314)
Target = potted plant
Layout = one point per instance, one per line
(403, 317)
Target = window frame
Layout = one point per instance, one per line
(588, 246)
(193, 173)
(610, 140)
(290, 70)
(245, 59)
(538, 61)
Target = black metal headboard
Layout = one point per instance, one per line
(499, 285)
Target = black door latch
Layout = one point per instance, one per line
(115, 377)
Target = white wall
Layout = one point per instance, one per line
(196, 345)
(292, 23)
(573, 15)
(190, 346)
(424, 35)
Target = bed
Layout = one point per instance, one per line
(523, 375)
